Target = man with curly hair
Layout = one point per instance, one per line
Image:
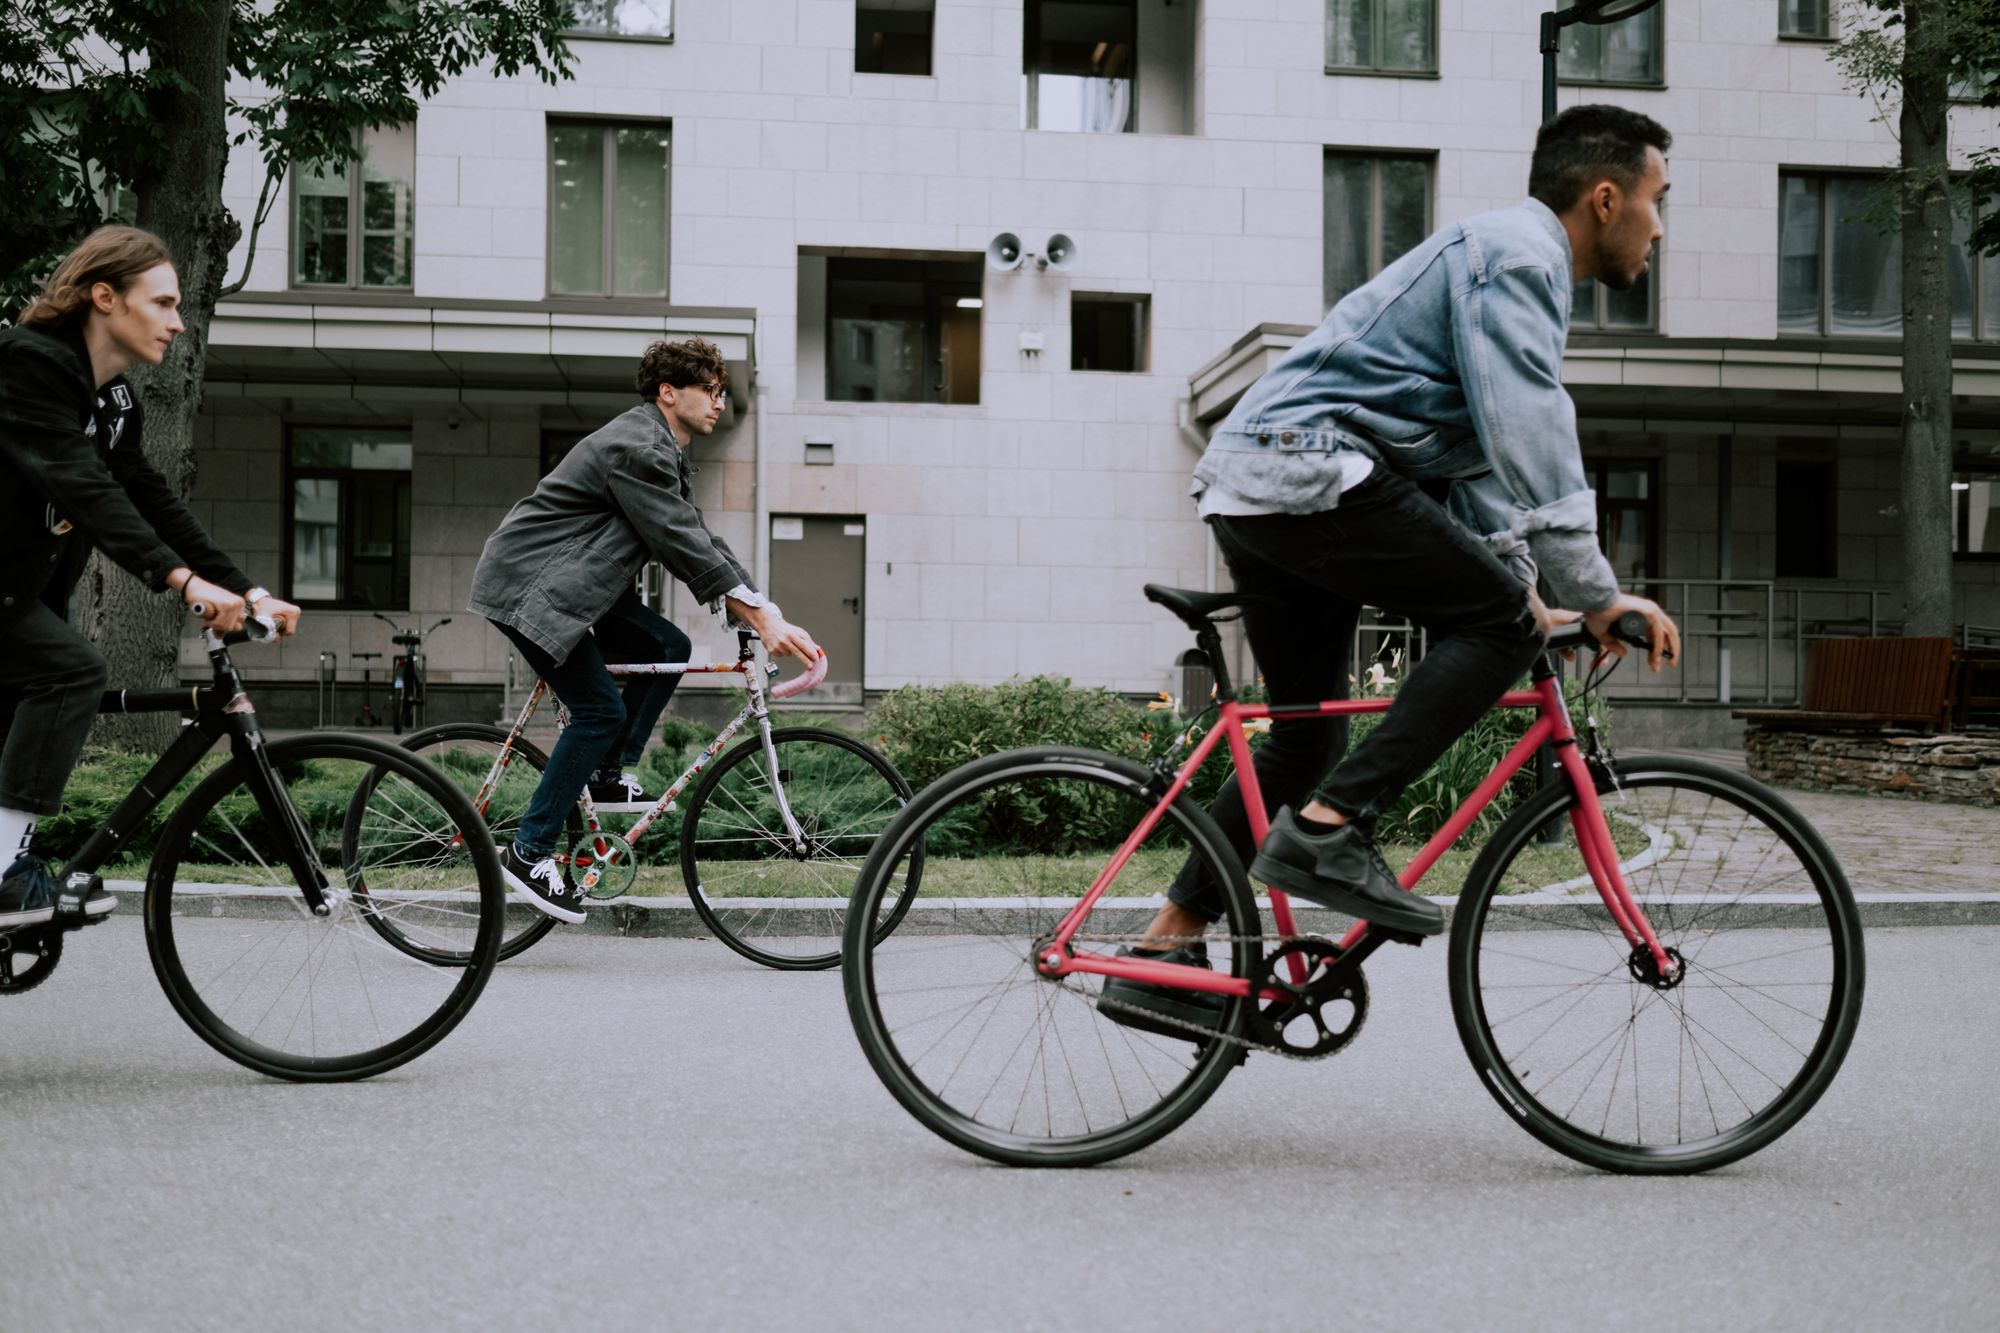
(556, 579)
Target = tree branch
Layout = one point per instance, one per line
(267, 198)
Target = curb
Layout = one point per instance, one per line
(675, 918)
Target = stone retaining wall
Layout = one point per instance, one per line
(1963, 769)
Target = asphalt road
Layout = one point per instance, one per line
(656, 1134)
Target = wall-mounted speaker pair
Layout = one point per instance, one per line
(1005, 253)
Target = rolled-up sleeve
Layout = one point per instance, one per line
(1535, 507)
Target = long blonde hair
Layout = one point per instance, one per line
(117, 255)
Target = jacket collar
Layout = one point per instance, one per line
(680, 445)
(1551, 224)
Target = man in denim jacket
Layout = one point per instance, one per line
(1445, 370)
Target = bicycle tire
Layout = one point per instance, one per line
(223, 934)
(888, 979)
(1670, 1060)
(465, 751)
(733, 838)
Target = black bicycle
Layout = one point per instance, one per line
(267, 877)
(406, 673)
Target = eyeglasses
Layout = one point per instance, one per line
(714, 390)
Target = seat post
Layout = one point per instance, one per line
(1209, 640)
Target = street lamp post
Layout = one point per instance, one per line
(1596, 12)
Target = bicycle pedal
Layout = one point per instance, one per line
(82, 901)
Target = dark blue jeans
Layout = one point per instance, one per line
(1388, 545)
(51, 681)
(606, 732)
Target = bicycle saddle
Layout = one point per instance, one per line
(406, 640)
(1197, 609)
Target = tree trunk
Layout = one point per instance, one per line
(138, 630)
(1926, 213)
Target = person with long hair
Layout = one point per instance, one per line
(74, 477)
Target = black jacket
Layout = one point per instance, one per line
(74, 475)
(621, 497)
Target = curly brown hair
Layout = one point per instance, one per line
(693, 361)
(116, 255)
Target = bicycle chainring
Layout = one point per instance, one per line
(27, 956)
(1318, 1017)
(620, 865)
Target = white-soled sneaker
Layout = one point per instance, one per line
(625, 796)
(542, 885)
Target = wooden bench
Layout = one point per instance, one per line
(1878, 682)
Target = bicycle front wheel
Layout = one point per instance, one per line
(975, 1043)
(500, 779)
(774, 898)
(324, 998)
(1572, 1029)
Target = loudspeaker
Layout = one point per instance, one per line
(1060, 252)
(1003, 253)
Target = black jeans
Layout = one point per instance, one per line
(51, 681)
(605, 731)
(1387, 545)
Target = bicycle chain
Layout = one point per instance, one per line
(1204, 1032)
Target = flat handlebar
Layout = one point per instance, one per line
(1630, 627)
(256, 629)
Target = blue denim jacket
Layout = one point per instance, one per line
(1447, 365)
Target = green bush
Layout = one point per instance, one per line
(927, 731)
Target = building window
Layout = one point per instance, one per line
(1392, 36)
(1808, 542)
(1107, 331)
(354, 223)
(1840, 274)
(1628, 51)
(1595, 307)
(1376, 208)
(902, 330)
(1805, 18)
(1628, 516)
(893, 36)
(623, 18)
(1976, 497)
(608, 208)
(349, 538)
(1078, 61)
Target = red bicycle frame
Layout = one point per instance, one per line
(1552, 726)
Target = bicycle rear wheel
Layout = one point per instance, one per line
(982, 1049)
(468, 753)
(1564, 1020)
(327, 998)
(780, 903)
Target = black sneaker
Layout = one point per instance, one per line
(543, 885)
(622, 795)
(1344, 871)
(27, 892)
(83, 899)
(1137, 1004)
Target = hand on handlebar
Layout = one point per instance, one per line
(221, 609)
(1660, 628)
(280, 612)
(781, 637)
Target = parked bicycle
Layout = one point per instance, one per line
(1667, 988)
(769, 845)
(263, 873)
(407, 676)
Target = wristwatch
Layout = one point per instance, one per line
(254, 596)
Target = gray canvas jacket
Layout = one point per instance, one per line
(562, 556)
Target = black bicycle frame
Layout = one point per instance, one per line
(217, 709)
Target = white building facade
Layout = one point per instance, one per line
(951, 472)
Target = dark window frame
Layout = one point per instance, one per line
(357, 231)
(402, 576)
(1981, 318)
(930, 42)
(1142, 330)
(608, 269)
(1601, 299)
(1031, 27)
(1967, 468)
(939, 288)
(1375, 158)
(1598, 467)
(1379, 70)
(1655, 17)
(604, 35)
(1829, 32)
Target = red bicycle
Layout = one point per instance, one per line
(1655, 963)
